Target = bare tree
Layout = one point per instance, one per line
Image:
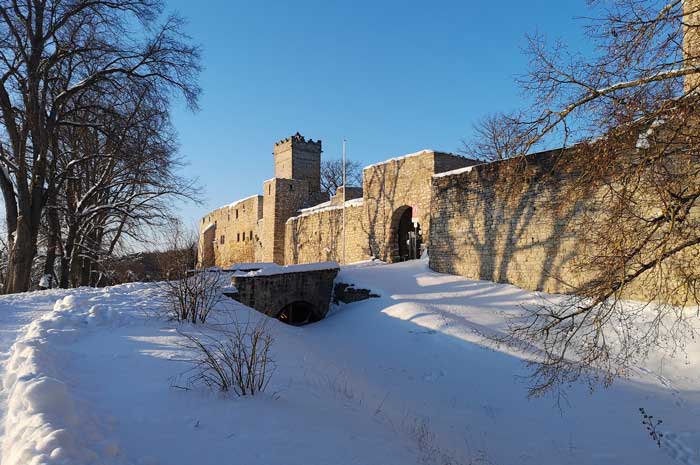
(495, 137)
(55, 56)
(629, 119)
(332, 174)
(118, 183)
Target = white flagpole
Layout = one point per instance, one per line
(344, 193)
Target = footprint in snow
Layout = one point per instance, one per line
(433, 376)
(426, 331)
(677, 445)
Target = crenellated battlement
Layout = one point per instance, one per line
(298, 139)
(299, 158)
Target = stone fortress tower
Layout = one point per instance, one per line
(297, 184)
(298, 158)
(253, 229)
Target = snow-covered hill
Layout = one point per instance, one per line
(404, 378)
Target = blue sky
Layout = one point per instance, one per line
(392, 77)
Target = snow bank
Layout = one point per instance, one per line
(46, 421)
(402, 379)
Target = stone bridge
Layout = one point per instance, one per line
(296, 294)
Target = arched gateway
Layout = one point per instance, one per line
(405, 235)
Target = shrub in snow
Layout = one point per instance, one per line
(651, 426)
(430, 453)
(192, 298)
(236, 360)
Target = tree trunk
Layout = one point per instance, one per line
(68, 258)
(52, 244)
(21, 257)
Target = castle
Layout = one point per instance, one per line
(388, 217)
(469, 215)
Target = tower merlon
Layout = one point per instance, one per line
(300, 159)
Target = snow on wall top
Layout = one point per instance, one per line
(278, 269)
(325, 207)
(466, 169)
(209, 226)
(320, 206)
(402, 157)
(251, 266)
(238, 202)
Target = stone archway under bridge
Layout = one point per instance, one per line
(294, 294)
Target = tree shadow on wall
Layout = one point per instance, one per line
(504, 212)
(381, 200)
(316, 238)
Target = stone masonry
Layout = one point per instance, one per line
(691, 42)
(293, 222)
(253, 229)
(486, 227)
(270, 293)
(230, 233)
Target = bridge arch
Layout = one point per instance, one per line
(298, 313)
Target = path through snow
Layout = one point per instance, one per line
(404, 378)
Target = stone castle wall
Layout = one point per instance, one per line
(317, 236)
(285, 230)
(474, 219)
(691, 41)
(389, 188)
(282, 199)
(298, 158)
(484, 226)
(230, 234)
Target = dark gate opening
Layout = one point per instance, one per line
(298, 313)
(408, 237)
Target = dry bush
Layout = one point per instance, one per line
(190, 293)
(236, 360)
(192, 298)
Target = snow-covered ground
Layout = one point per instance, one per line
(400, 379)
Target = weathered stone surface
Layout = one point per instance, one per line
(230, 234)
(348, 293)
(343, 194)
(371, 227)
(475, 221)
(691, 42)
(270, 228)
(270, 294)
(526, 233)
(485, 226)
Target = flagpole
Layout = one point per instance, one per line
(344, 194)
